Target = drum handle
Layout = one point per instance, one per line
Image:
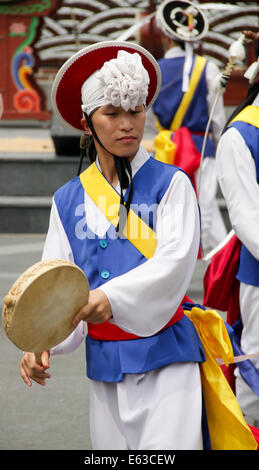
(38, 358)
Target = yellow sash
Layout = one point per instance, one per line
(163, 145)
(250, 114)
(228, 429)
(198, 68)
(108, 201)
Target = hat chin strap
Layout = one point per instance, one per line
(124, 172)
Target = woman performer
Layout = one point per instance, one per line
(142, 352)
(238, 172)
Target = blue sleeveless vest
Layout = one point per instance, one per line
(109, 257)
(248, 271)
(170, 96)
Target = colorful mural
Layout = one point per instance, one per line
(20, 25)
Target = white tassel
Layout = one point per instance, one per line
(236, 52)
(252, 72)
(237, 48)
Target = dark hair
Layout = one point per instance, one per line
(122, 165)
(91, 150)
(251, 94)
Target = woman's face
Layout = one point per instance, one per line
(119, 131)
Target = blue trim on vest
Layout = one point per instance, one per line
(248, 271)
(247, 369)
(205, 428)
(108, 361)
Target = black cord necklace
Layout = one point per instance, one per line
(123, 168)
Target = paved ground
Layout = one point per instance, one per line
(51, 417)
(56, 416)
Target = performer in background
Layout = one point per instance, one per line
(237, 162)
(183, 106)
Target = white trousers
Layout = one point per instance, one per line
(249, 306)
(160, 409)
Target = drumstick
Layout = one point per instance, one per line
(40, 306)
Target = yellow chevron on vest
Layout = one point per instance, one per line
(250, 114)
(164, 147)
(198, 68)
(108, 202)
(227, 427)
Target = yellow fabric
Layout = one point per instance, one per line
(250, 114)
(108, 201)
(164, 147)
(227, 427)
(188, 95)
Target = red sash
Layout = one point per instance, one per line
(109, 332)
(221, 288)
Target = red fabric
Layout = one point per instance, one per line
(187, 156)
(106, 331)
(255, 432)
(229, 374)
(221, 288)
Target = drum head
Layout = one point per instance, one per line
(41, 315)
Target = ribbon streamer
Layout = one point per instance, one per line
(237, 359)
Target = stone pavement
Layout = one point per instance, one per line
(54, 417)
(51, 417)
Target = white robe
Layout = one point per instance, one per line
(237, 177)
(156, 287)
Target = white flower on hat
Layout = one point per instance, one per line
(120, 82)
(125, 80)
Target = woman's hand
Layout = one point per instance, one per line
(30, 369)
(96, 311)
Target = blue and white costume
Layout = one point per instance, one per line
(195, 119)
(238, 171)
(143, 295)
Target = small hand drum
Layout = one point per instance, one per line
(40, 306)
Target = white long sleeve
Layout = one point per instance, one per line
(237, 177)
(219, 117)
(57, 246)
(144, 299)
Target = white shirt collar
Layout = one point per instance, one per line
(95, 219)
(175, 51)
(140, 158)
